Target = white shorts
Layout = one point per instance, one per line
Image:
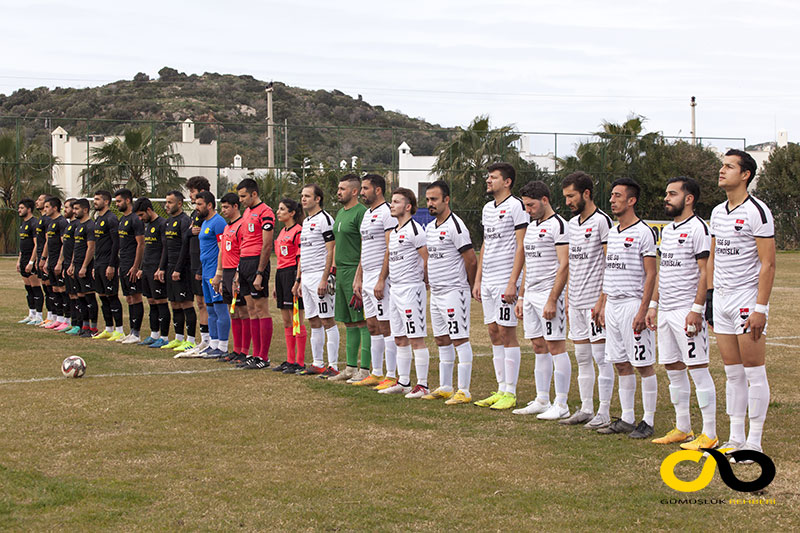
(582, 327)
(313, 304)
(372, 306)
(494, 309)
(732, 308)
(450, 313)
(408, 305)
(674, 345)
(622, 344)
(536, 325)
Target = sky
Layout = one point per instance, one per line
(541, 65)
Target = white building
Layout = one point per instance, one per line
(414, 171)
(73, 157)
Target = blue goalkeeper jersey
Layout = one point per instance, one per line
(210, 232)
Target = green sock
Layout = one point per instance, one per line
(366, 348)
(353, 338)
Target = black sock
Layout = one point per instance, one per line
(29, 296)
(76, 311)
(155, 325)
(164, 318)
(191, 321)
(203, 328)
(115, 307)
(50, 302)
(61, 304)
(91, 303)
(83, 305)
(105, 306)
(38, 298)
(136, 315)
(178, 320)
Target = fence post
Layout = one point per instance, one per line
(152, 156)
(18, 163)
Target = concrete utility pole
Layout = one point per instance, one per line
(693, 104)
(270, 130)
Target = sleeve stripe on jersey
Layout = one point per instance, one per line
(328, 236)
(456, 224)
(327, 217)
(465, 248)
(702, 255)
(520, 226)
(563, 243)
(760, 210)
(702, 223)
(414, 227)
(561, 225)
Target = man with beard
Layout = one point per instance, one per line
(106, 266)
(41, 237)
(131, 251)
(26, 263)
(67, 248)
(82, 267)
(195, 185)
(155, 290)
(52, 252)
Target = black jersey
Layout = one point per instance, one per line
(82, 235)
(55, 229)
(106, 252)
(177, 232)
(154, 244)
(130, 227)
(194, 245)
(68, 242)
(41, 234)
(27, 237)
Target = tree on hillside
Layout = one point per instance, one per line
(779, 187)
(142, 163)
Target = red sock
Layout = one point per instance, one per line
(236, 326)
(265, 331)
(301, 346)
(255, 334)
(290, 345)
(246, 335)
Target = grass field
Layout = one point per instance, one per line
(137, 445)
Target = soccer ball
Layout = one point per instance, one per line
(73, 367)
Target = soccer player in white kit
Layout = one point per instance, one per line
(628, 284)
(742, 267)
(371, 281)
(452, 265)
(407, 274)
(677, 308)
(504, 222)
(317, 248)
(541, 300)
(588, 234)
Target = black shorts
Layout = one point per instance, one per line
(23, 263)
(151, 287)
(103, 285)
(227, 287)
(83, 285)
(55, 280)
(197, 285)
(181, 290)
(248, 266)
(284, 280)
(69, 283)
(129, 287)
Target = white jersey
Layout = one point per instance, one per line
(405, 263)
(736, 262)
(317, 230)
(682, 244)
(374, 225)
(446, 243)
(541, 259)
(500, 222)
(624, 275)
(586, 261)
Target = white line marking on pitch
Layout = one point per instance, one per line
(121, 374)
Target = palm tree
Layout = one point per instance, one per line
(133, 161)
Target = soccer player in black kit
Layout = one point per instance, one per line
(67, 247)
(131, 250)
(155, 290)
(106, 263)
(41, 237)
(26, 264)
(83, 265)
(195, 185)
(52, 252)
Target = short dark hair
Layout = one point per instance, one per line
(353, 179)
(317, 192)
(54, 201)
(442, 185)
(249, 185)
(294, 207)
(409, 195)
(632, 188)
(230, 199)
(688, 185)
(207, 198)
(83, 203)
(746, 162)
(198, 183)
(104, 193)
(125, 193)
(376, 180)
(506, 170)
(69, 201)
(177, 194)
(29, 203)
(536, 190)
(142, 205)
(580, 181)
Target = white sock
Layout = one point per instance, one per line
(650, 398)
(190, 339)
(38, 315)
(627, 392)
(758, 401)
(706, 399)
(165, 337)
(377, 347)
(422, 360)
(736, 400)
(109, 329)
(31, 313)
(543, 376)
(605, 378)
(447, 360)
(464, 367)
(118, 329)
(499, 362)
(205, 337)
(583, 356)
(513, 358)
(562, 371)
(317, 345)
(332, 333)
(390, 351)
(222, 346)
(179, 337)
(404, 365)
(679, 394)
(213, 343)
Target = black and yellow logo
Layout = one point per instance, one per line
(716, 459)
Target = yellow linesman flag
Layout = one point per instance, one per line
(295, 317)
(233, 303)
